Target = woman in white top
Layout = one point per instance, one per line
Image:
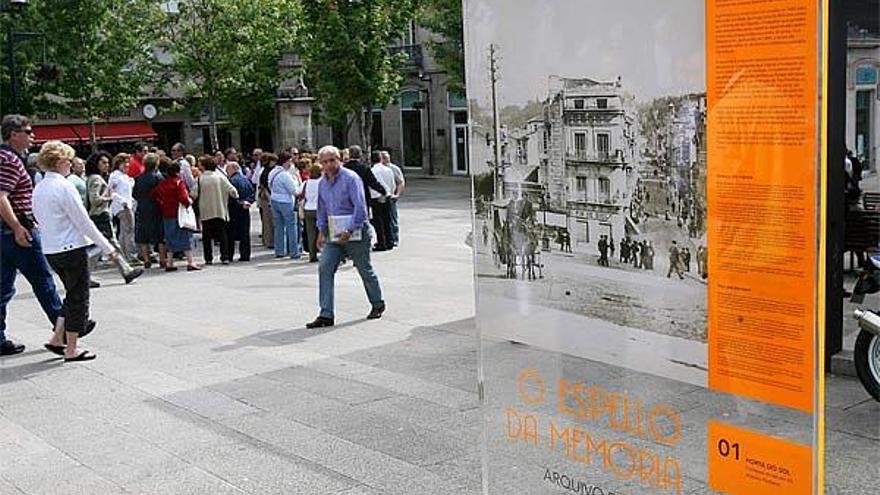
(67, 232)
(122, 205)
(311, 210)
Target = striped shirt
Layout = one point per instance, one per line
(15, 181)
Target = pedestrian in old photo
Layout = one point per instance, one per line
(674, 261)
(343, 231)
(686, 259)
(624, 250)
(603, 251)
(635, 250)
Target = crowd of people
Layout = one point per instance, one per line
(63, 214)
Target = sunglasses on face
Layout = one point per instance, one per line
(26, 131)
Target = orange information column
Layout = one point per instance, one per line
(763, 163)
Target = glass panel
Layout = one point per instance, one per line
(412, 137)
(655, 338)
(456, 99)
(409, 98)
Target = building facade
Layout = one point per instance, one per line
(426, 127)
(590, 155)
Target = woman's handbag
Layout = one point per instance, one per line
(186, 218)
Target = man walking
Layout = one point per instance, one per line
(20, 247)
(240, 212)
(343, 232)
(400, 186)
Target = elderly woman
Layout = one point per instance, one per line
(170, 194)
(67, 232)
(148, 219)
(213, 191)
(122, 205)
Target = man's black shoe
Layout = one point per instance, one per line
(130, 276)
(320, 322)
(376, 312)
(8, 348)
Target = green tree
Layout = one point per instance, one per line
(225, 54)
(348, 62)
(444, 18)
(104, 51)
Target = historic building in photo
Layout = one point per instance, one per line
(589, 144)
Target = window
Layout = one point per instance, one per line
(604, 190)
(377, 135)
(581, 185)
(580, 143)
(603, 145)
(579, 104)
(602, 103)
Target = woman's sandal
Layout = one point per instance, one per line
(55, 349)
(82, 356)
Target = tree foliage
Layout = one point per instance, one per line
(345, 47)
(103, 50)
(444, 18)
(224, 56)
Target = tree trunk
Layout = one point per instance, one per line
(367, 129)
(93, 136)
(212, 126)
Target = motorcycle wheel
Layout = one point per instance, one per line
(867, 361)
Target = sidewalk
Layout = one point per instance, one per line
(209, 383)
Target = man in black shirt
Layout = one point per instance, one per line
(357, 166)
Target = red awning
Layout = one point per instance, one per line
(106, 132)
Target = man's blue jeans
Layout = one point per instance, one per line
(287, 242)
(395, 221)
(31, 262)
(331, 257)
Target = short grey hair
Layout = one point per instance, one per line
(179, 146)
(233, 165)
(12, 122)
(355, 152)
(329, 150)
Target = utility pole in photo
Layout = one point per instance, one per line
(496, 124)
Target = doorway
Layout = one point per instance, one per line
(460, 143)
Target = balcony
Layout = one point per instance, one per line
(412, 56)
(602, 156)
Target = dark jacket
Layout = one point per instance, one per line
(245, 191)
(367, 177)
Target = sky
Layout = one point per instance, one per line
(656, 46)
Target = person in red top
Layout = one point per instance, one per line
(169, 195)
(136, 162)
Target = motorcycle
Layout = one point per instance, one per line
(867, 351)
